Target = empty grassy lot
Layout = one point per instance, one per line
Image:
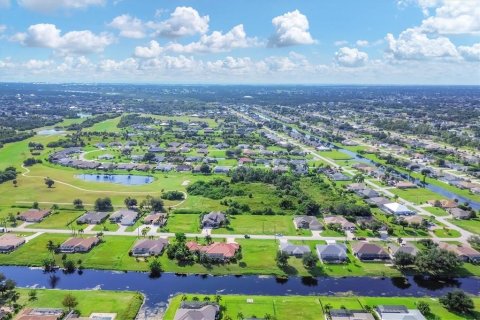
(255, 224)
(124, 303)
(417, 195)
(472, 225)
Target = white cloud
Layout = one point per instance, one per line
(152, 51)
(129, 27)
(340, 43)
(2, 28)
(412, 44)
(53, 5)
(183, 21)
(454, 17)
(362, 43)
(470, 53)
(216, 42)
(38, 64)
(291, 29)
(350, 57)
(425, 5)
(109, 65)
(4, 3)
(73, 42)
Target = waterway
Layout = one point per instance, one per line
(125, 179)
(159, 290)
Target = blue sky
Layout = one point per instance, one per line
(261, 41)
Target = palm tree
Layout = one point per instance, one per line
(240, 316)
(51, 247)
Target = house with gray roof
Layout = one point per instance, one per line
(214, 219)
(332, 253)
(346, 314)
(149, 247)
(197, 311)
(398, 312)
(125, 217)
(293, 249)
(93, 217)
(460, 214)
(307, 222)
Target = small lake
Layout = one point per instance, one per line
(125, 179)
(50, 132)
(159, 290)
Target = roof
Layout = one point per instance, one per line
(396, 207)
(339, 219)
(93, 216)
(337, 249)
(368, 248)
(80, 242)
(11, 240)
(34, 214)
(203, 312)
(227, 250)
(294, 249)
(152, 245)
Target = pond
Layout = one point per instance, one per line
(50, 132)
(159, 290)
(125, 179)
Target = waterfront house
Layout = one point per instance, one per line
(332, 253)
(82, 245)
(149, 247)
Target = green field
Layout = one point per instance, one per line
(335, 155)
(60, 220)
(298, 307)
(125, 304)
(417, 195)
(472, 225)
(254, 224)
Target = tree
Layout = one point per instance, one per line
(180, 237)
(435, 261)
(358, 178)
(52, 247)
(281, 259)
(69, 266)
(403, 259)
(208, 239)
(309, 260)
(425, 173)
(458, 301)
(78, 204)
(130, 202)
(155, 268)
(423, 307)
(205, 168)
(49, 182)
(15, 183)
(32, 295)
(240, 316)
(69, 301)
(103, 204)
(149, 157)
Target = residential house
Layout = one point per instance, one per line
(344, 223)
(459, 214)
(367, 193)
(125, 217)
(197, 311)
(78, 244)
(40, 314)
(220, 251)
(356, 186)
(156, 218)
(397, 209)
(444, 203)
(398, 312)
(415, 219)
(222, 169)
(214, 219)
(369, 251)
(405, 185)
(183, 168)
(345, 314)
(33, 215)
(10, 242)
(93, 217)
(307, 222)
(294, 250)
(377, 201)
(149, 247)
(464, 251)
(408, 248)
(332, 253)
(338, 176)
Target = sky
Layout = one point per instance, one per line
(241, 41)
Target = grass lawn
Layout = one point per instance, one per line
(125, 304)
(106, 226)
(472, 225)
(417, 195)
(312, 307)
(179, 222)
(446, 233)
(332, 233)
(255, 224)
(439, 212)
(109, 125)
(59, 220)
(335, 155)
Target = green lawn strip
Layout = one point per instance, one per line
(124, 303)
(439, 212)
(256, 224)
(335, 155)
(183, 222)
(417, 195)
(106, 226)
(472, 225)
(446, 233)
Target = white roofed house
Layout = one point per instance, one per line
(125, 217)
(398, 209)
